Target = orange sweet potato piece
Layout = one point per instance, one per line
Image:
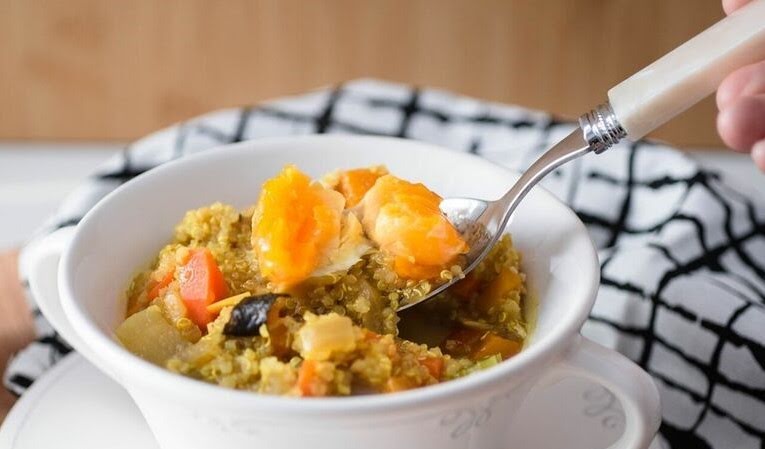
(506, 282)
(492, 344)
(467, 288)
(477, 344)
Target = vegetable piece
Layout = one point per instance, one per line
(492, 344)
(278, 331)
(150, 336)
(172, 308)
(479, 344)
(398, 383)
(202, 284)
(155, 286)
(488, 362)
(466, 288)
(404, 219)
(323, 335)
(217, 306)
(309, 381)
(354, 184)
(306, 377)
(499, 289)
(248, 315)
(462, 341)
(434, 365)
(296, 225)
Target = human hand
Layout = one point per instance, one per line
(741, 101)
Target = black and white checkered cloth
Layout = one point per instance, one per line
(682, 254)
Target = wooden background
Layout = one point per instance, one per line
(117, 69)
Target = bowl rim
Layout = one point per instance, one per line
(133, 370)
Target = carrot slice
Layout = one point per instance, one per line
(309, 383)
(434, 365)
(202, 283)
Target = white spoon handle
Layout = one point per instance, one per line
(686, 75)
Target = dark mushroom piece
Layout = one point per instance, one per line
(249, 314)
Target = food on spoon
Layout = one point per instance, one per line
(298, 295)
(404, 220)
(354, 184)
(295, 227)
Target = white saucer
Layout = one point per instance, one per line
(75, 406)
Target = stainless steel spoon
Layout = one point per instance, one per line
(481, 222)
(636, 107)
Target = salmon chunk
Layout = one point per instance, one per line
(354, 184)
(295, 227)
(405, 221)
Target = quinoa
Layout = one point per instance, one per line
(389, 351)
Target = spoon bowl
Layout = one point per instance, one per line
(481, 222)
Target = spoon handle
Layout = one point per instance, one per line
(571, 147)
(686, 75)
(656, 94)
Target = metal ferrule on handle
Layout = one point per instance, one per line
(601, 128)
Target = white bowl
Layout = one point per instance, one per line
(126, 228)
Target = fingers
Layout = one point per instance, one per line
(758, 154)
(731, 5)
(749, 80)
(741, 101)
(742, 123)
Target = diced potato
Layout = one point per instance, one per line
(323, 335)
(150, 336)
(172, 307)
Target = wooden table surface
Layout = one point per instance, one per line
(16, 325)
(68, 66)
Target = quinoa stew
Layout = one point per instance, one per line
(298, 294)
